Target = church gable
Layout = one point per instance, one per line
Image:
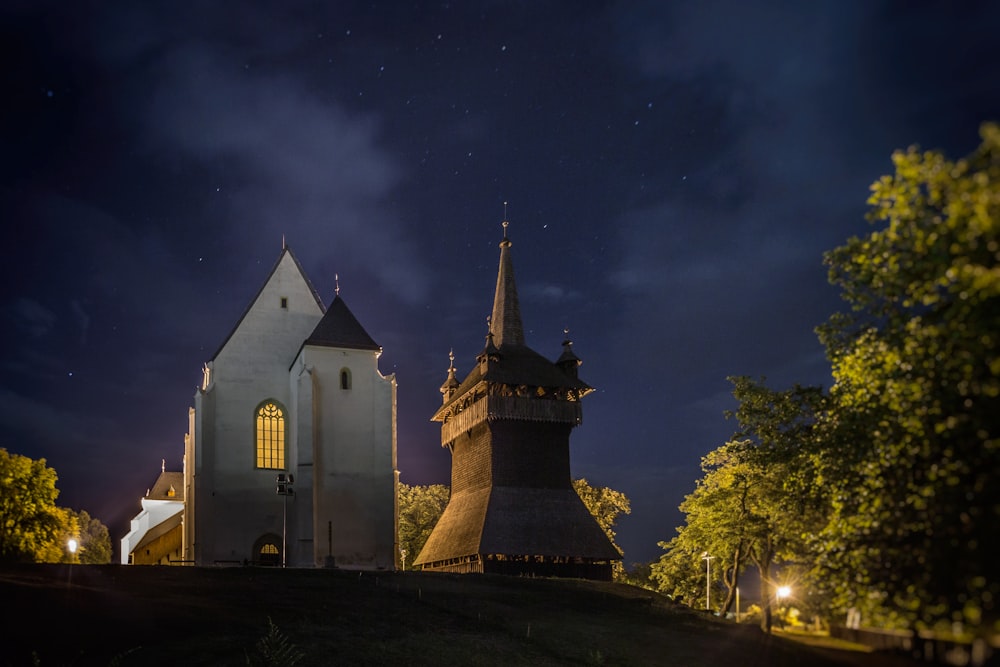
(282, 314)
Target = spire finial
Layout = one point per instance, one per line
(284, 246)
(451, 357)
(336, 283)
(163, 465)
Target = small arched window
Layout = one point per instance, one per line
(269, 430)
(345, 378)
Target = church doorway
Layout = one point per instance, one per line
(267, 551)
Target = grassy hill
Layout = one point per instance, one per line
(121, 615)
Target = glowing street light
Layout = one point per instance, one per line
(402, 553)
(783, 592)
(72, 545)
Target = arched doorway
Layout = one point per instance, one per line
(267, 550)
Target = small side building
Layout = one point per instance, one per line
(156, 534)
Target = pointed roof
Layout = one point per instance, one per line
(285, 250)
(339, 328)
(505, 323)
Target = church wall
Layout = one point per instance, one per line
(305, 399)
(236, 502)
(354, 459)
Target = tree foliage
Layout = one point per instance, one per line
(30, 522)
(33, 529)
(753, 503)
(605, 504)
(420, 507)
(886, 486)
(914, 440)
(95, 541)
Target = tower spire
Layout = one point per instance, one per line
(505, 322)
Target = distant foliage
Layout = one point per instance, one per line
(95, 541)
(420, 507)
(605, 504)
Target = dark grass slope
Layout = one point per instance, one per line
(148, 615)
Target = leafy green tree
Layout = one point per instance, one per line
(753, 503)
(420, 507)
(913, 442)
(605, 504)
(680, 572)
(95, 541)
(56, 549)
(30, 522)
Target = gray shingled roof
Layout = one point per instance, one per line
(339, 328)
(161, 488)
(517, 521)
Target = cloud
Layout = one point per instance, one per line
(286, 160)
(32, 317)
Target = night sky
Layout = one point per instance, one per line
(673, 171)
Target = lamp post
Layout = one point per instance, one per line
(708, 579)
(402, 553)
(71, 544)
(284, 490)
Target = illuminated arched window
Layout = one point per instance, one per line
(345, 378)
(269, 430)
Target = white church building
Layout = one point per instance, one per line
(290, 455)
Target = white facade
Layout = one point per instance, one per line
(319, 368)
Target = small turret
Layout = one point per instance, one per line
(450, 385)
(568, 361)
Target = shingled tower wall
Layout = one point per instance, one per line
(513, 509)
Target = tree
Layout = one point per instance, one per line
(420, 507)
(914, 428)
(95, 542)
(605, 504)
(30, 522)
(753, 502)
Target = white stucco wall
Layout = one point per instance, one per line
(341, 444)
(236, 501)
(354, 458)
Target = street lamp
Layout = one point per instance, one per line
(402, 553)
(72, 545)
(783, 592)
(708, 579)
(284, 490)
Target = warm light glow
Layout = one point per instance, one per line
(72, 544)
(270, 437)
(784, 591)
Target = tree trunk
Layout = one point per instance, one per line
(731, 578)
(762, 556)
